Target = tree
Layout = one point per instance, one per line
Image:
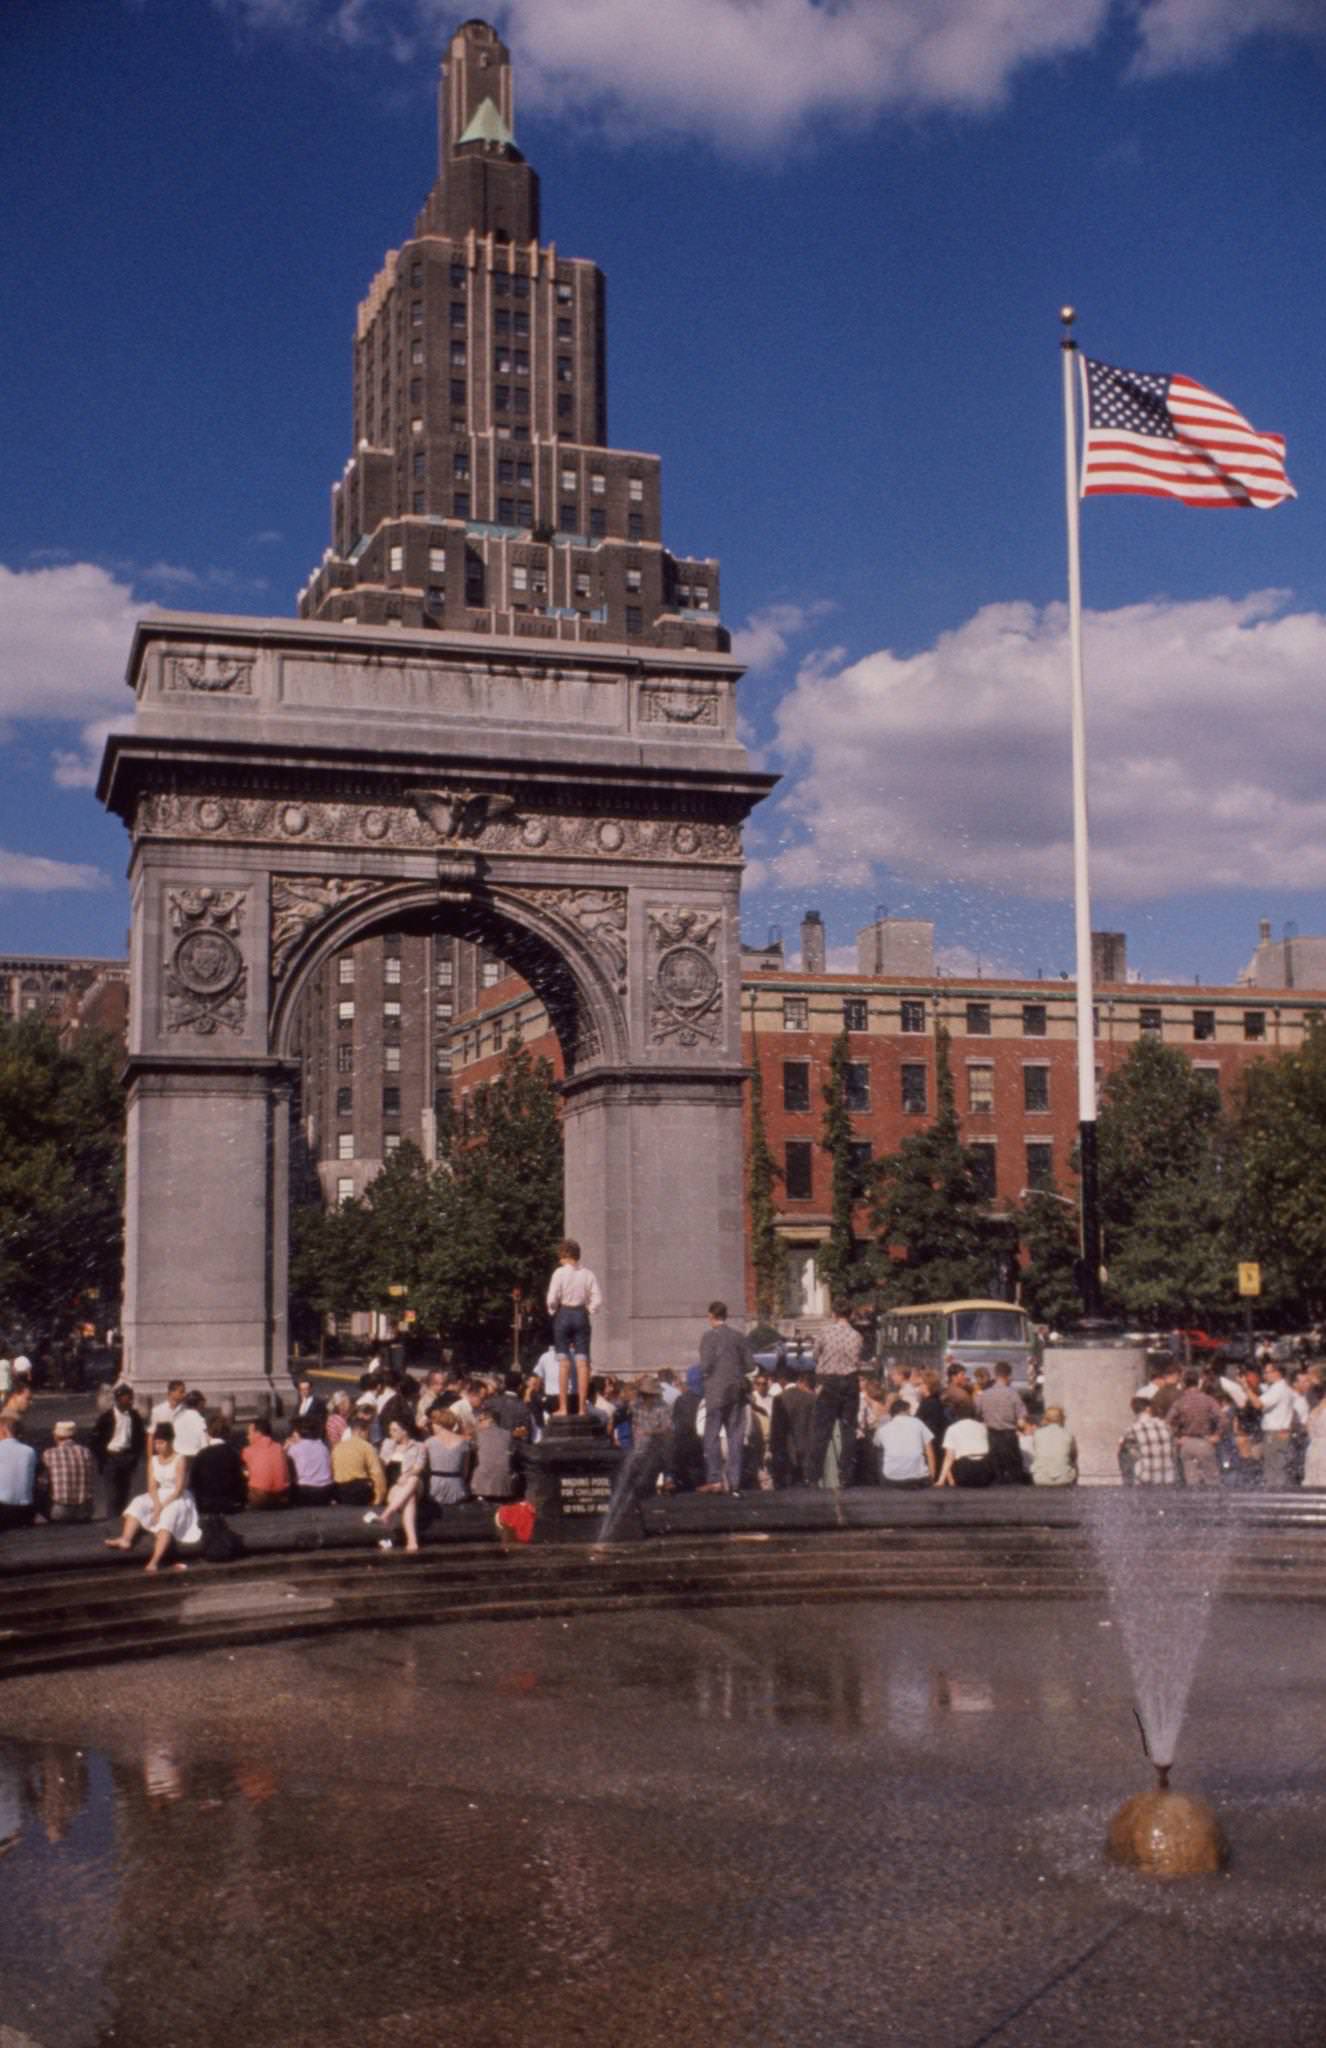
(1281, 1118)
(61, 1180)
(1048, 1227)
(838, 1259)
(762, 1175)
(1168, 1188)
(935, 1240)
(330, 1261)
(500, 1205)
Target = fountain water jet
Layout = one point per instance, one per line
(1164, 1558)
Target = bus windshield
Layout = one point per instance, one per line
(989, 1326)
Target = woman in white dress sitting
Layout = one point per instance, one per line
(167, 1509)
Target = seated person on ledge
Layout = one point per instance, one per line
(266, 1467)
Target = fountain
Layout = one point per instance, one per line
(1164, 1556)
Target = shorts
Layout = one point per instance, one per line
(571, 1333)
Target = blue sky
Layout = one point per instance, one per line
(836, 239)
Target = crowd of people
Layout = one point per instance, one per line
(1260, 1425)
(402, 1449)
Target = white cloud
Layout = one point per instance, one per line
(29, 871)
(763, 641)
(1207, 754)
(65, 634)
(78, 768)
(1181, 34)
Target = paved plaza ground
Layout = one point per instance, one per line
(822, 1825)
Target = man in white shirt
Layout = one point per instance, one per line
(191, 1426)
(573, 1297)
(906, 1447)
(1277, 1406)
(168, 1410)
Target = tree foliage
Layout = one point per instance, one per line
(61, 1180)
(762, 1176)
(1169, 1187)
(1049, 1228)
(1281, 1118)
(839, 1259)
(935, 1238)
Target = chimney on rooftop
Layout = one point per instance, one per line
(1109, 957)
(812, 943)
(1264, 931)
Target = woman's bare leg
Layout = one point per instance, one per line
(160, 1545)
(127, 1537)
(410, 1523)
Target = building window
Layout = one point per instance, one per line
(490, 973)
(457, 313)
(345, 969)
(913, 1083)
(460, 505)
(391, 1013)
(345, 1191)
(635, 526)
(854, 1013)
(391, 1143)
(983, 1170)
(506, 511)
(1150, 1022)
(566, 518)
(796, 1013)
(569, 482)
(416, 390)
(416, 274)
(564, 370)
(417, 313)
(502, 398)
(978, 1020)
(345, 1059)
(417, 424)
(856, 1085)
(445, 974)
(796, 1085)
(913, 1016)
(345, 1102)
(458, 391)
(391, 1102)
(444, 1010)
(395, 561)
(460, 467)
(980, 1088)
(1034, 1021)
(345, 1145)
(1040, 1164)
(458, 278)
(519, 579)
(417, 352)
(417, 505)
(391, 1058)
(1203, 1025)
(598, 522)
(345, 1012)
(520, 326)
(391, 969)
(525, 512)
(437, 561)
(797, 1169)
(634, 619)
(1036, 1089)
(598, 482)
(635, 490)
(633, 579)
(1254, 1024)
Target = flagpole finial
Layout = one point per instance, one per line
(1067, 315)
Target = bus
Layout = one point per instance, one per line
(932, 1335)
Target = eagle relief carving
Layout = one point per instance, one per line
(461, 813)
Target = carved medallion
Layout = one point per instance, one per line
(679, 707)
(686, 987)
(206, 980)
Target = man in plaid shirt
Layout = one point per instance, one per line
(838, 1349)
(68, 1472)
(1150, 1444)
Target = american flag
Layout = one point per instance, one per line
(1167, 437)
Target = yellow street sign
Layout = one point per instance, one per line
(1250, 1277)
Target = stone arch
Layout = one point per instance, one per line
(569, 944)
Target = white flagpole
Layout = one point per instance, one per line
(1086, 1036)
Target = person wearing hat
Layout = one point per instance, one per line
(68, 1476)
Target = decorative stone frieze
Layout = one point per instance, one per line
(678, 706)
(487, 821)
(206, 981)
(599, 915)
(685, 983)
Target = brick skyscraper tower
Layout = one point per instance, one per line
(481, 495)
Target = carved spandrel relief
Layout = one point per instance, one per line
(685, 984)
(216, 674)
(206, 981)
(599, 915)
(488, 821)
(301, 901)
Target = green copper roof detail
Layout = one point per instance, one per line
(487, 126)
